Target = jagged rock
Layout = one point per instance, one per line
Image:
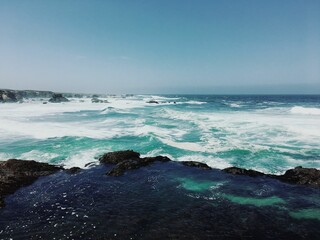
(119, 156)
(196, 164)
(242, 171)
(16, 173)
(153, 101)
(58, 98)
(300, 175)
(135, 163)
(8, 96)
(127, 160)
(97, 100)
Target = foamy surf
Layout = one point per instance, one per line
(305, 110)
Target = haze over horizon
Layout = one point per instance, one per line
(166, 46)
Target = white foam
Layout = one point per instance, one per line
(83, 157)
(235, 105)
(38, 156)
(190, 146)
(304, 110)
(193, 102)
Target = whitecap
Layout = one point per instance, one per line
(305, 111)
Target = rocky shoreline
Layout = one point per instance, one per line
(15, 174)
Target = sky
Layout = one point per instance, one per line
(161, 46)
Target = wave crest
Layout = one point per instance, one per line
(305, 111)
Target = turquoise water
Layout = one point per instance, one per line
(265, 133)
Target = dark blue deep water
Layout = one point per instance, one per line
(162, 201)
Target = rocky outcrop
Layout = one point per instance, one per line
(97, 100)
(16, 173)
(196, 164)
(153, 101)
(242, 171)
(298, 175)
(119, 156)
(73, 170)
(128, 160)
(8, 96)
(58, 98)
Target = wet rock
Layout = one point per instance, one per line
(127, 160)
(118, 156)
(300, 175)
(153, 101)
(58, 98)
(96, 100)
(136, 163)
(15, 174)
(8, 96)
(196, 164)
(73, 170)
(242, 171)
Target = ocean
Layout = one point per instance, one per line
(164, 200)
(261, 132)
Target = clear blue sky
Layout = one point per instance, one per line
(161, 46)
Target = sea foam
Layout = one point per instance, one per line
(304, 110)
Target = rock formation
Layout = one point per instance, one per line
(58, 98)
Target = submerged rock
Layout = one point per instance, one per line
(58, 98)
(16, 173)
(196, 164)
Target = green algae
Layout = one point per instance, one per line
(310, 213)
(197, 186)
(258, 202)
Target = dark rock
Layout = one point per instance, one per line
(123, 166)
(153, 101)
(300, 175)
(136, 163)
(16, 173)
(127, 160)
(119, 156)
(73, 170)
(97, 100)
(58, 98)
(196, 164)
(44, 102)
(242, 171)
(8, 96)
(90, 164)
